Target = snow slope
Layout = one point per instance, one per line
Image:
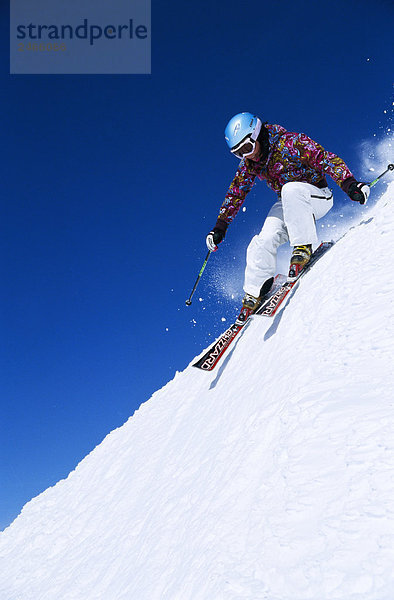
(270, 478)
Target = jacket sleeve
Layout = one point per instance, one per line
(313, 154)
(237, 192)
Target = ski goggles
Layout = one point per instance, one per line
(244, 148)
(247, 146)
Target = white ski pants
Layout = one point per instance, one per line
(291, 219)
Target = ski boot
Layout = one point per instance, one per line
(250, 303)
(300, 257)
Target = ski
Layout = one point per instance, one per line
(216, 351)
(270, 306)
(278, 293)
(210, 359)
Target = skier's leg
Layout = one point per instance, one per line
(303, 203)
(261, 253)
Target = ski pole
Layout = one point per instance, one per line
(390, 167)
(189, 300)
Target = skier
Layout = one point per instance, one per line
(294, 166)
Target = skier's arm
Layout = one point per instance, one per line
(235, 197)
(314, 155)
(237, 192)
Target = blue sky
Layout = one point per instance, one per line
(109, 186)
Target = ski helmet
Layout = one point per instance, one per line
(240, 127)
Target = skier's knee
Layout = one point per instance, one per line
(259, 243)
(289, 189)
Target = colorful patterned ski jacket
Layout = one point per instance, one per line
(292, 157)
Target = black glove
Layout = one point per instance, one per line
(214, 238)
(359, 191)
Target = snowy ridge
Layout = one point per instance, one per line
(271, 478)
